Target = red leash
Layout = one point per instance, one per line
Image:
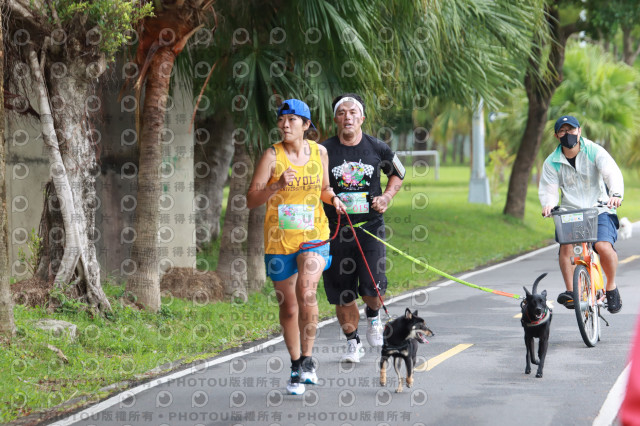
(375, 285)
(308, 245)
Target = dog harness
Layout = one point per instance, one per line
(388, 349)
(545, 318)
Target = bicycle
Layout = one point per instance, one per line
(580, 228)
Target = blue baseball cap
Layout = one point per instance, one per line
(566, 119)
(297, 107)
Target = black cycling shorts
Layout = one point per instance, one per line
(347, 277)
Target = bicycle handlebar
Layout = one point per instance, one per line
(556, 208)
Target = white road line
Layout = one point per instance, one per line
(95, 409)
(84, 414)
(611, 406)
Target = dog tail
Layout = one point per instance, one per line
(535, 283)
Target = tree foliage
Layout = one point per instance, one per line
(105, 24)
(400, 55)
(615, 23)
(603, 93)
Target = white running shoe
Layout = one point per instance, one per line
(294, 387)
(355, 351)
(374, 331)
(309, 375)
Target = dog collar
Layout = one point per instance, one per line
(545, 318)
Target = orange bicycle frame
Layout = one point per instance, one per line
(591, 261)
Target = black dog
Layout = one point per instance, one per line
(536, 321)
(400, 341)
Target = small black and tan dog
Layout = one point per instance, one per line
(536, 321)
(400, 341)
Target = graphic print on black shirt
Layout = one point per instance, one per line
(354, 175)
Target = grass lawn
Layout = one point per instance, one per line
(430, 220)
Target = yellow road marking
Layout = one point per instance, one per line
(518, 315)
(433, 362)
(630, 259)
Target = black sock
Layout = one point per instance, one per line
(295, 364)
(353, 335)
(303, 358)
(370, 312)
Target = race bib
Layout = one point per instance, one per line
(295, 216)
(356, 202)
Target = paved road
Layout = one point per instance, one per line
(479, 379)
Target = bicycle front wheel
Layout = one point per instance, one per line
(586, 306)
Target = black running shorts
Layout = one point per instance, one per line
(348, 278)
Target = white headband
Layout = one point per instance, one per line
(347, 99)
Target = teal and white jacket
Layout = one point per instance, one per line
(584, 186)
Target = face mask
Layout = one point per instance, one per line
(569, 140)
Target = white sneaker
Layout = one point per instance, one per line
(294, 387)
(355, 351)
(374, 331)
(309, 375)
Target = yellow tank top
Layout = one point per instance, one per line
(295, 213)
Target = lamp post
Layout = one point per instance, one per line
(479, 183)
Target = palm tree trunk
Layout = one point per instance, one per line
(7, 325)
(232, 262)
(629, 53)
(461, 142)
(212, 158)
(256, 271)
(527, 153)
(539, 92)
(144, 284)
(445, 144)
(402, 142)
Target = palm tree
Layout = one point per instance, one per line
(162, 39)
(541, 80)
(7, 326)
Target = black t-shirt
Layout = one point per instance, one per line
(354, 175)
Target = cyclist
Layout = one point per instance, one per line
(584, 174)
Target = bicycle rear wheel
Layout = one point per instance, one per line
(586, 306)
